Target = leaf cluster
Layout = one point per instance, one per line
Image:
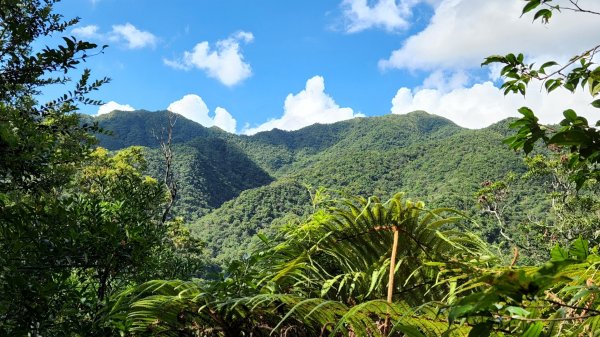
(575, 133)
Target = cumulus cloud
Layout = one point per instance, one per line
(309, 106)
(446, 81)
(224, 62)
(482, 104)
(462, 33)
(193, 107)
(387, 14)
(132, 36)
(126, 34)
(112, 106)
(86, 32)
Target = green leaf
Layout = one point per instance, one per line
(580, 249)
(594, 87)
(532, 4)
(518, 311)
(570, 115)
(596, 103)
(548, 64)
(558, 254)
(534, 330)
(528, 113)
(493, 59)
(555, 84)
(459, 311)
(408, 330)
(264, 238)
(570, 138)
(545, 14)
(328, 284)
(595, 74)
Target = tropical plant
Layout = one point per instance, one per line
(558, 298)
(358, 267)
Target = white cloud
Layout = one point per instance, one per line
(387, 14)
(225, 62)
(112, 106)
(224, 120)
(193, 107)
(483, 104)
(309, 106)
(127, 34)
(86, 32)
(133, 37)
(462, 33)
(444, 81)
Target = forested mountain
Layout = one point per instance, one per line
(224, 178)
(143, 128)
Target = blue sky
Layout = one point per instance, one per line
(248, 66)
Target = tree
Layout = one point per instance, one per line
(41, 146)
(575, 133)
(39, 141)
(575, 212)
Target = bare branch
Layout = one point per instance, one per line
(167, 151)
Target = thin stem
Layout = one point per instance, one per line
(597, 312)
(390, 293)
(559, 319)
(575, 8)
(590, 52)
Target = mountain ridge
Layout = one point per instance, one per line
(226, 175)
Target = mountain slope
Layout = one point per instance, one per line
(142, 128)
(209, 171)
(263, 176)
(228, 231)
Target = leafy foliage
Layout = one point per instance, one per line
(210, 172)
(575, 132)
(41, 146)
(230, 230)
(76, 224)
(327, 276)
(555, 299)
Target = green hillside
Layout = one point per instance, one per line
(233, 186)
(209, 172)
(141, 128)
(229, 230)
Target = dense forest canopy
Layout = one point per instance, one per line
(148, 224)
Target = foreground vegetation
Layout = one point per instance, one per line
(90, 246)
(365, 268)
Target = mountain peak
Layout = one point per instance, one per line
(140, 127)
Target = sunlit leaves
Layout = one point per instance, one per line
(575, 133)
(41, 148)
(544, 13)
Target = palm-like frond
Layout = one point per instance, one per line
(348, 248)
(327, 277)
